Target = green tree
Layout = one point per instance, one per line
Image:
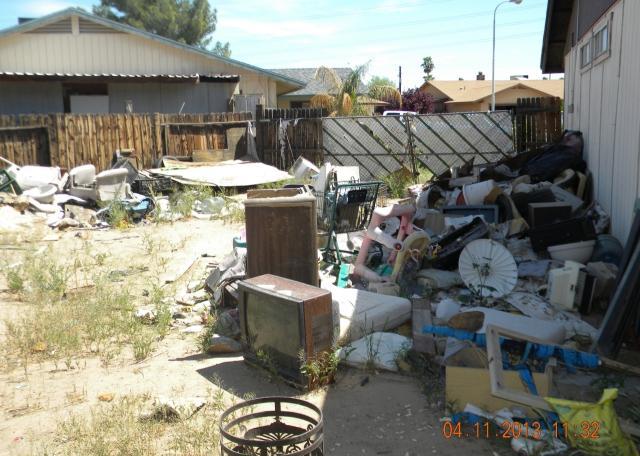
(380, 81)
(187, 21)
(428, 67)
(222, 50)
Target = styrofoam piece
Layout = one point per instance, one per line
(42, 193)
(474, 194)
(579, 252)
(447, 308)
(550, 331)
(488, 268)
(35, 176)
(379, 349)
(363, 312)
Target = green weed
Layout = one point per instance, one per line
(320, 370)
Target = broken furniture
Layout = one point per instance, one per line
(468, 381)
(282, 318)
(272, 425)
(375, 233)
(344, 208)
(281, 237)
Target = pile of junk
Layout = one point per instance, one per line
(503, 274)
(81, 197)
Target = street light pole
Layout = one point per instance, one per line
(493, 55)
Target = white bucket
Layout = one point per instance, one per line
(474, 194)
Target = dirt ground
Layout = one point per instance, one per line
(375, 414)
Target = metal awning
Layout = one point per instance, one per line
(115, 77)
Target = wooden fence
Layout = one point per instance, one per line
(69, 140)
(537, 121)
(283, 135)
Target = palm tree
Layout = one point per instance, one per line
(342, 97)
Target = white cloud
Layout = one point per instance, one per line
(42, 7)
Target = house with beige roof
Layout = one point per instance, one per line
(475, 95)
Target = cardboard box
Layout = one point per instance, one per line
(467, 381)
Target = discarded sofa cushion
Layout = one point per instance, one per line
(363, 312)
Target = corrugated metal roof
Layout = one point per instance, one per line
(48, 19)
(17, 75)
(313, 86)
(472, 90)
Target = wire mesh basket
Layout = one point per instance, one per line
(344, 208)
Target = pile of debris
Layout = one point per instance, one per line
(81, 197)
(502, 270)
(123, 194)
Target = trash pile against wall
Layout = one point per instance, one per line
(500, 273)
(124, 194)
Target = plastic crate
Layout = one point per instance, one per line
(152, 186)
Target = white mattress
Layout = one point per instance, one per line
(363, 312)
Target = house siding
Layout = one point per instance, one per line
(603, 101)
(30, 97)
(124, 53)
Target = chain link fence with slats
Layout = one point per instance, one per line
(382, 145)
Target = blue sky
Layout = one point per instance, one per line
(385, 33)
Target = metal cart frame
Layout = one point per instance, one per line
(344, 208)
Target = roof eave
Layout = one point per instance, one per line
(44, 20)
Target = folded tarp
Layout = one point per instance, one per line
(231, 173)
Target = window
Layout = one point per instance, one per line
(585, 54)
(601, 42)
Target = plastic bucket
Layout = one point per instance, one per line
(474, 194)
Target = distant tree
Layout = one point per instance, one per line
(222, 50)
(343, 97)
(187, 21)
(418, 101)
(427, 67)
(380, 81)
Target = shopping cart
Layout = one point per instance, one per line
(344, 207)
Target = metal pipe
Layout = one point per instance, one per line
(493, 54)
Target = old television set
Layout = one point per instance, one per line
(280, 319)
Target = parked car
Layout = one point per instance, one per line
(398, 113)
